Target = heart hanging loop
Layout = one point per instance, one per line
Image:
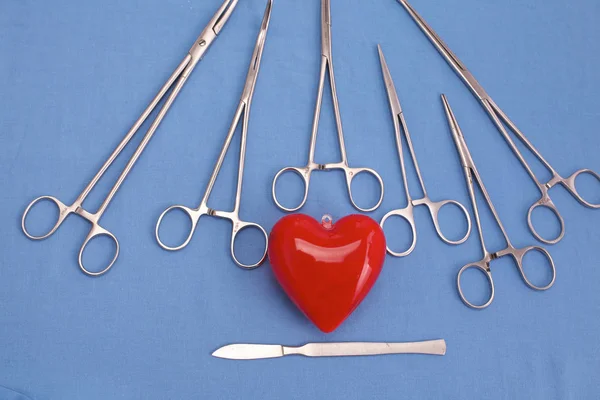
(327, 221)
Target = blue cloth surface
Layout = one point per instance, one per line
(74, 75)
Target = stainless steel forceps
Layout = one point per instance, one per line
(306, 172)
(242, 114)
(434, 207)
(472, 176)
(500, 118)
(175, 82)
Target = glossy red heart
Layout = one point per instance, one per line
(327, 269)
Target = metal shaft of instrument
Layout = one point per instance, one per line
(497, 116)
(213, 178)
(404, 129)
(242, 113)
(327, 64)
(492, 109)
(145, 140)
(136, 126)
(471, 187)
(178, 79)
(472, 176)
(400, 127)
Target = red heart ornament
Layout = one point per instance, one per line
(327, 269)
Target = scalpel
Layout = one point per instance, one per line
(260, 351)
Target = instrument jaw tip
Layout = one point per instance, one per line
(457, 135)
(222, 15)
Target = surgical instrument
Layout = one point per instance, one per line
(242, 114)
(175, 82)
(261, 351)
(306, 172)
(472, 176)
(500, 118)
(434, 207)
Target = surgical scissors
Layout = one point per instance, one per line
(472, 176)
(242, 114)
(306, 172)
(499, 117)
(434, 207)
(175, 82)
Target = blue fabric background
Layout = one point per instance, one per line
(75, 75)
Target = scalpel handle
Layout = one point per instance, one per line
(431, 347)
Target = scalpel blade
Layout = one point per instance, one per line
(249, 351)
(260, 351)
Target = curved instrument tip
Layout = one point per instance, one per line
(223, 15)
(267, 17)
(450, 114)
(381, 56)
